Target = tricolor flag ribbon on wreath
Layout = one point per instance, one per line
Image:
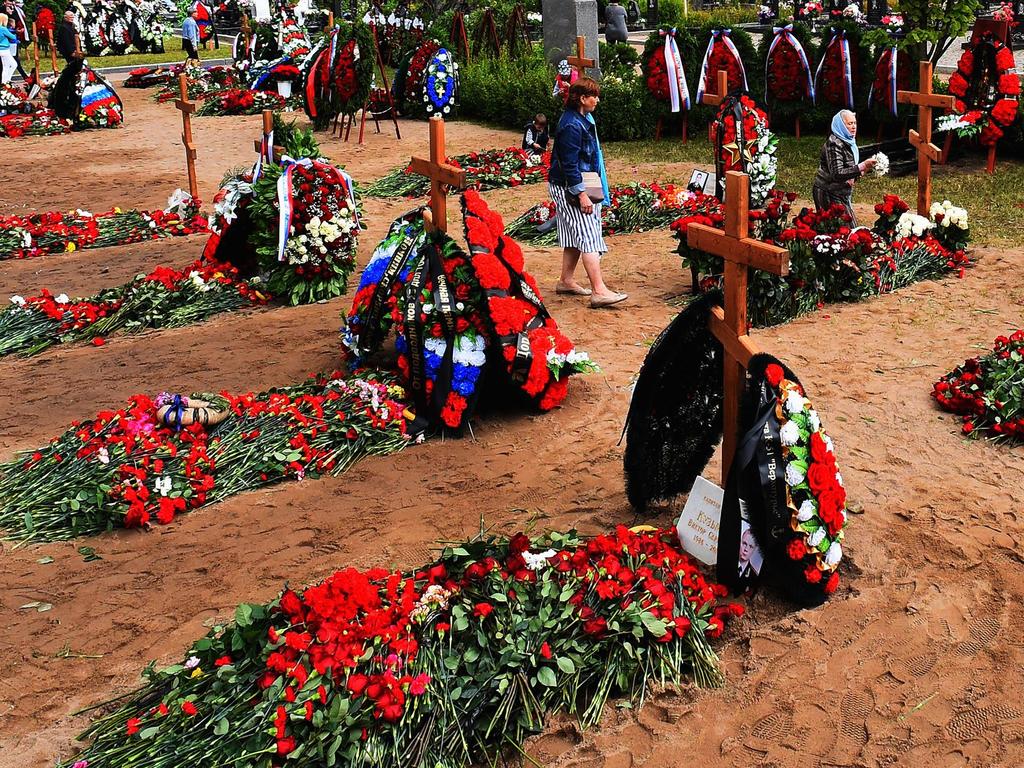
(786, 34)
(678, 90)
(286, 199)
(719, 36)
(266, 153)
(838, 39)
(892, 85)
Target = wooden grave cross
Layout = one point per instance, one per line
(740, 252)
(441, 175)
(186, 108)
(35, 54)
(716, 97)
(579, 61)
(268, 130)
(921, 139)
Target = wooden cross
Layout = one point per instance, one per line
(268, 128)
(716, 97)
(186, 108)
(921, 139)
(441, 175)
(579, 61)
(729, 326)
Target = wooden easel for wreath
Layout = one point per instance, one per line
(457, 37)
(517, 34)
(729, 325)
(442, 175)
(921, 139)
(487, 35)
(716, 97)
(53, 51)
(35, 54)
(382, 71)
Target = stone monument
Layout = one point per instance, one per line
(563, 21)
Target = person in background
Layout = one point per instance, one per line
(535, 137)
(576, 152)
(840, 166)
(615, 24)
(65, 41)
(8, 44)
(190, 37)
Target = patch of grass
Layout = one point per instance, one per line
(172, 53)
(994, 202)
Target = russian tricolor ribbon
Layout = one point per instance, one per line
(723, 35)
(839, 36)
(678, 90)
(286, 201)
(266, 153)
(786, 33)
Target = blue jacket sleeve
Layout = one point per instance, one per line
(567, 147)
(7, 38)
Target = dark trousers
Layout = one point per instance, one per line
(824, 199)
(189, 49)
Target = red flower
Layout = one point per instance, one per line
(188, 708)
(812, 574)
(832, 583)
(545, 650)
(596, 626)
(774, 374)
(483, 610)
(357, 684)
(98, 341)
(286, 745)
(223, 661)
(796, 549)
(132, 726)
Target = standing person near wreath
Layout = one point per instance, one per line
(8, 45)
(65, 42)
(577, 184)
(190, 37)
(840, 165)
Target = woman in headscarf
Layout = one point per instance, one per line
(840, 165)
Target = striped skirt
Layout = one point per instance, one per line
(575, 228)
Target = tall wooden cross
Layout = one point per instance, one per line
(739, 251)
(268, 129)
(186, 108)
(441, 175)
(579, 61)
(921, 139)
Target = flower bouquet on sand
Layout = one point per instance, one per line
(451, 664)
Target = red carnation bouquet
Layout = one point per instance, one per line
(838, 77)
(985, 391)
(381, 667)
(657, 74)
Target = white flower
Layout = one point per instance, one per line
(813, 421)
(790, 433)
(881, 164)
(795, 401)
(912, 224)
(62, 299)
(793, 475)
(103, 456)
(469, 350)
(192, 663)
(536, 561)
(834, 554)
(18, 300)
(806, 512)
(816, 538)
(163, 485)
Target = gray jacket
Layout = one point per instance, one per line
(836, 166)
(615, 24)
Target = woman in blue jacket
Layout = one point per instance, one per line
(8, 45)
(578, 151)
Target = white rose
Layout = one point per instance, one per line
(790, 433)
(18, 300)
(62, 299)
(793, 475)
(816, 538)
(834, 554)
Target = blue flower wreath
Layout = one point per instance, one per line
(440, 83)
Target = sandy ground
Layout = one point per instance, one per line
(916, 661)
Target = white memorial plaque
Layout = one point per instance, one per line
(699, 523)
(262, 11)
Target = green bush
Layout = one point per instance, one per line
(508, 92)
(618, 58)
(671, 13)
(626, 109)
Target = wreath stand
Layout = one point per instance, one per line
(685, 129)
(517, 31)
(457, 36)
(387, 90)
(487, 35)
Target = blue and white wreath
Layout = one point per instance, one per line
(440, 83)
